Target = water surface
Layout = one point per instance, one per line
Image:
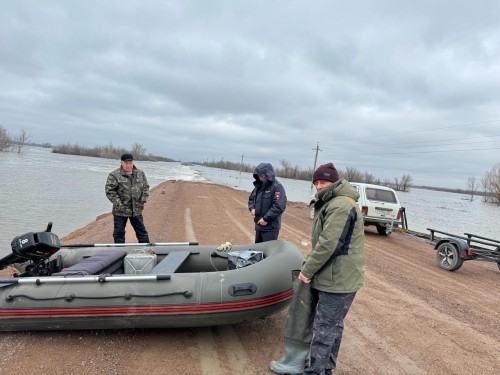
(38, 186)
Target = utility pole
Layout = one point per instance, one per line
(317, 149)
(241, 166)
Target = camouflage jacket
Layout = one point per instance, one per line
(128, 194)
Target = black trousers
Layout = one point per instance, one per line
(137, 223)
(263, 236)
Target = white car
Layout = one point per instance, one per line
(379, 205)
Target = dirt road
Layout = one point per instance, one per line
(411, 317)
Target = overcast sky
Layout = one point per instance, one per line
(388, 87)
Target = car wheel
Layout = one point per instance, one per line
(448, 258)
(383, 229)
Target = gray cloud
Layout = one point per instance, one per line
(204, 80)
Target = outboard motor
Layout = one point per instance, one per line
(33, 249)
(35, 246)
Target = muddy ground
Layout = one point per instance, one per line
(411, 317)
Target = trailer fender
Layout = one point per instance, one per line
(461, 245)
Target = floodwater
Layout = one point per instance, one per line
(38, 186)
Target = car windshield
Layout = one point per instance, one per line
(381, 195)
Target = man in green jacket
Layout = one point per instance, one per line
(334, 269)
(128, 189)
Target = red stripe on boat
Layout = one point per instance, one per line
(147, 310)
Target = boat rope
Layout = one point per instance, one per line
(71, 297)
(214, 254)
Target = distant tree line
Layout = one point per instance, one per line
(17, 142)
(13, 143)
(109, 151)
(287, 170)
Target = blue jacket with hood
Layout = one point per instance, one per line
(268, 198)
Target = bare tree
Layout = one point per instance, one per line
(108, 151)
(484, 187)
(139, 151)
(406, 182)
(20, 141)
(388, 183)
(287, 168)
(397, 184)
(403, 184)
(352, 174)
(368, 178)
(493, 182)
(4, 139)
(472, 185)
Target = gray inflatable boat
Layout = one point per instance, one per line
(101, 286)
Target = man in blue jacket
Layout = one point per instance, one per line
(266, 203)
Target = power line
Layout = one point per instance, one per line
(301, 155)
(401, 145)
(436, 142)
(429, 130)
(422, 152)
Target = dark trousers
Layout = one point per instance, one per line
(137, 223)
(263, 236)
(328, 327)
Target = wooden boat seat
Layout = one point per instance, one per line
(104, 262)
(171, 262)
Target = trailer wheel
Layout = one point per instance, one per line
(448, 258)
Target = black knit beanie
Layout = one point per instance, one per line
(326, 172)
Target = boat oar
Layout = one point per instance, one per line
(8, 281)
(133, 244)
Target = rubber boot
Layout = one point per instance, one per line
(294, 360)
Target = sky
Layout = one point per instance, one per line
(387, 87)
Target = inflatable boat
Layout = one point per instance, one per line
(111, 286)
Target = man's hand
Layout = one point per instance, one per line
(304, 279)
(262, 222)
(252, 212)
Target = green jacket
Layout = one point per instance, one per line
(336, 261)
(128, 195)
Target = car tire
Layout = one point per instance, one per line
(383, 230)
(448, 258)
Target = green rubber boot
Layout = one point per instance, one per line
(294, 360)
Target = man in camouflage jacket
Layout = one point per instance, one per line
(128, 189)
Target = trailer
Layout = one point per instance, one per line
(454, 250)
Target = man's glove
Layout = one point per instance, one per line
(224, 247)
